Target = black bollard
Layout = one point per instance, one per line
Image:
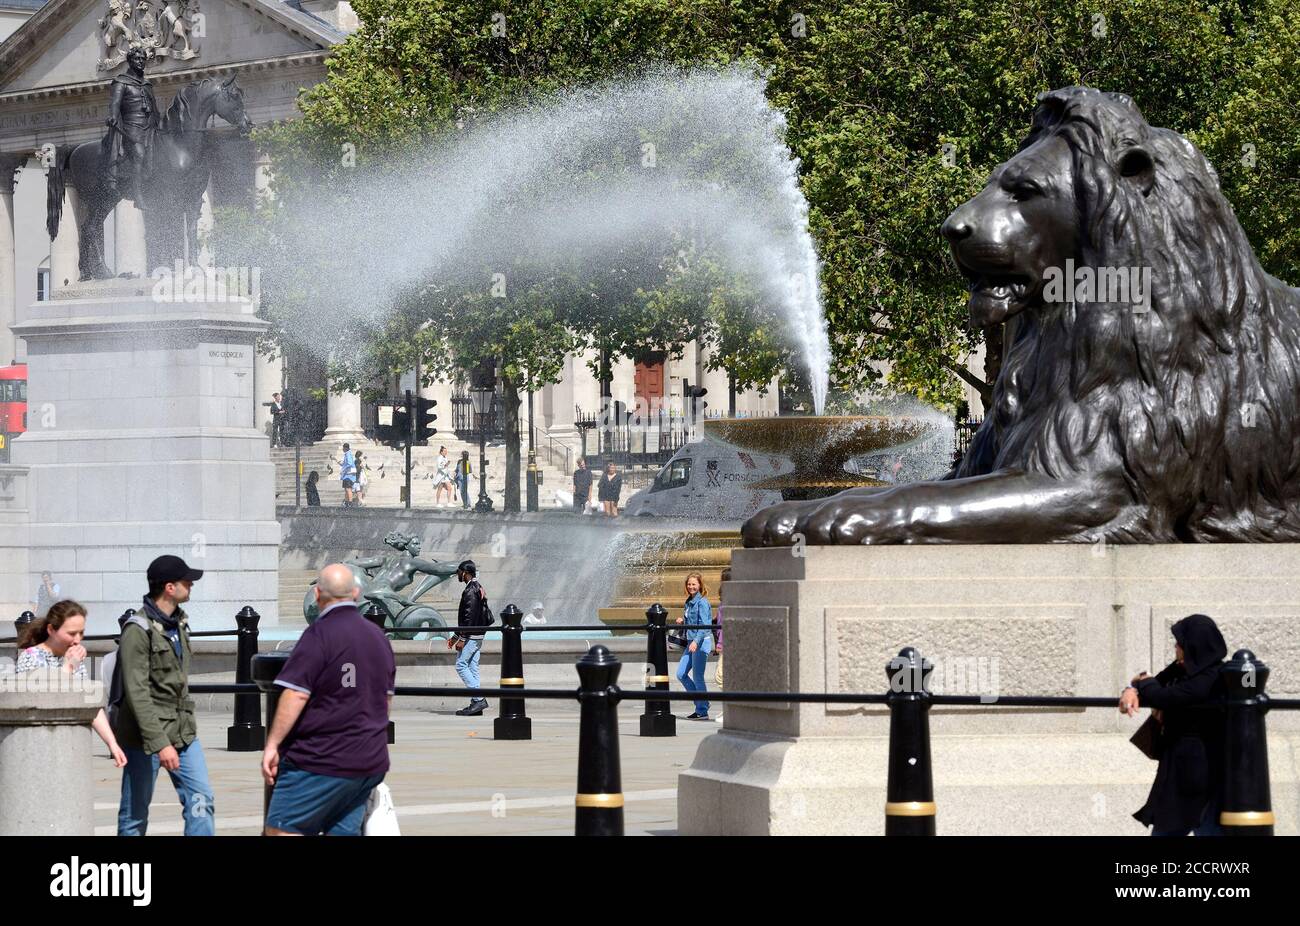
(658, 719)
(265, 668)
(909, 793)
(600, 788)
(375, 614)
(1247, 802)
(246, 734)
(21, 621)
(512, 724)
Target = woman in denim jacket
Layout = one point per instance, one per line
(690, 671)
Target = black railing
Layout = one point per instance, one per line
(910, 807)
(468, 424)
(963, 433)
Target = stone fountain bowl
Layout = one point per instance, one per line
(818, 446)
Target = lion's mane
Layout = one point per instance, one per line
(1193, 402)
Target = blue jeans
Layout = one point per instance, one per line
(467, 664)
(463, 482)
(191, 783)
(1209, 825)
(690, 672)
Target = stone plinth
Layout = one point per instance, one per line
(141, 441)
(47, 785)
(996, 620)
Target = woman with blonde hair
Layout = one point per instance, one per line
(54, 642)
(690, 670)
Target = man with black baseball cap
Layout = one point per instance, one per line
(474, 612)
(155, 720)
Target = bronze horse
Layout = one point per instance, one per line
(180, 165)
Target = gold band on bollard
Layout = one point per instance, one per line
(511, 681)
(909, 809)
(1246, 818)
(659, 678)
(608, 801)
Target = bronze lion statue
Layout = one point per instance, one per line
(1150, 392)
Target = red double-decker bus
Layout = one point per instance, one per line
(13, 405)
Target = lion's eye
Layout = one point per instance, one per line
(1022, 190)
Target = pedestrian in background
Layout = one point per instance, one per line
(156, 725)
(327, 748)
(1186, 700)
(611, 486)
(537, 615)
(581, 486)
(277, 420)
(463, 472)
(54, 642)
(46, 594)
(362, 481)
(473, 612)
(348, 474)
(313, 493)
(442, 479)
(690, 669)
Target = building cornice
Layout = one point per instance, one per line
(162, 79)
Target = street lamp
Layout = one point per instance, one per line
(481, 393)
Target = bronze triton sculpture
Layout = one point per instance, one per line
(1150, 392)
(382, 578)
(161, 164)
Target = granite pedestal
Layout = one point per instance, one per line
(141, 441)
(995, 620)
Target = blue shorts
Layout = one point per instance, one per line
(310, 804)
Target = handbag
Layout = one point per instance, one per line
(1147, 738)
(381, 815)
(678, 639)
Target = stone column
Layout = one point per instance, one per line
(8, 266)
(343, 417)
(45, 737)
(129, 255)
(64, 257)
(716, 382)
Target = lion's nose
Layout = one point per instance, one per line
(955, 228)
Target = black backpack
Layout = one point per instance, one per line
(116, 691)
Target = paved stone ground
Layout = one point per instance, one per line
(450, 778)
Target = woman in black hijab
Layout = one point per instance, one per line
(1186, 700)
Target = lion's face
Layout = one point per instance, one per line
(1023, 222)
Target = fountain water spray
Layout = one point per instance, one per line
(581, 176)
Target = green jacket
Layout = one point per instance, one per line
(156, 709)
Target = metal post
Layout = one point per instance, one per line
(265, 669)
(909, 793)
(532, 504)
(375, 614)
(658, 719)
(484, 503)
(512, 724)
(246, 734)
(599, 800)
(1247, 802)
(297, 475)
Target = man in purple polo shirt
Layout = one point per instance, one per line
(328, 744)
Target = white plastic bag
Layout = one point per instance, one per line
(381, 815)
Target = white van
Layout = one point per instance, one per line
(706, 480)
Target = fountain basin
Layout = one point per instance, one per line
(818, 446)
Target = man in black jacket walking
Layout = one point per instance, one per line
(474, 612)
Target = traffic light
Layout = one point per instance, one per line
(424, 419)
